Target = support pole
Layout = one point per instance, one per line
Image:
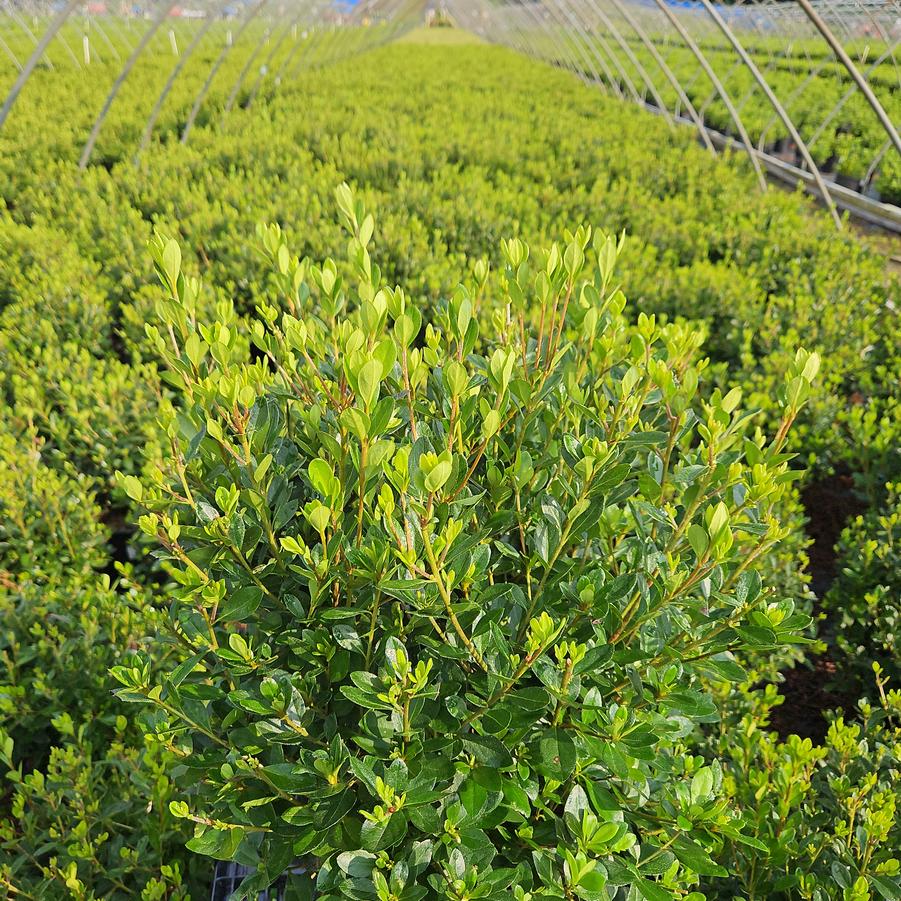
(120, 80)
(774, 100)
(35, 57)
(720, 89)
(853, 71)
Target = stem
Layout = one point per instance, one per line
(236, 551)
(501, 693)
(373, 616)
(406, 373)
(407, 729)
(364, 450)
(564, 537)
(448, 604)
(561, 323)
(564, 685)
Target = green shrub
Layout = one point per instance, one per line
(48, 291)
(448, 599)
(865, 599)
(95, 413)
(48, 525)
(872, 422)
(92, 822)
(756, 273)
(824, 819)
(84, 813)
(50, 544)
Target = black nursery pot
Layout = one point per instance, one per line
(228, 876)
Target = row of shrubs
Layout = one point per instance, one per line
(843, 133)
(831, 114)
(489, 147)
(215, 66)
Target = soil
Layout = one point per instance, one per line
(811, 690)
(829, 504)
(114, 518)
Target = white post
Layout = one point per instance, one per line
(86, 46)
(173, 42)
(228, 38)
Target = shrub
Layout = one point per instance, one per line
(448, 600)
(824, 818)
(95, 413)
(85, 810)
(865, 599)
(92, 822)
(48, 290)
(50, 543)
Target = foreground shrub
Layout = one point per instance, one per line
(447, 599)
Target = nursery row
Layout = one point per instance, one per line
(448, 529)
(188, 74)
(842, 131)
(247, 55)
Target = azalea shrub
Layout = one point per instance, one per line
(450, 595)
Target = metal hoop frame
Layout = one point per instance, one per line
(686, 60)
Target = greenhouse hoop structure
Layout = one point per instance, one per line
(808, 90)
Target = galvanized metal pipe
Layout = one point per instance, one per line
(667, 71)
(164, 11)
(173, 75)
(724, 95)
(252, 13)
(853, 71)
(35, 57)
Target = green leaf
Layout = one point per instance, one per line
(888, 887)
(556, 755)
(363, 699)
(184, 669)
(133, 488)
(221, 844)
(368, 379)
(439, 473)
(334, 809)
(241, 605)
(696, 858)
(383, 835)
(594, 882)
(702, 784)
(357, 864)
(577, 803)
(653, 891)
(473, 797)
(517, 798)
(488, 751)
(172, 261)
(698, 540)
(491, 425)
(321, 477)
